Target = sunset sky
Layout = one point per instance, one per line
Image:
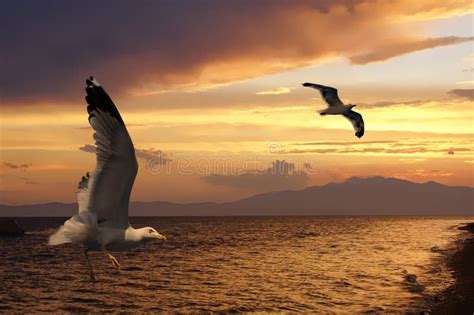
(212, 97)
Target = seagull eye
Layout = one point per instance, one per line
(150, 231)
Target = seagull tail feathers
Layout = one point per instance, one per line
(79, 229)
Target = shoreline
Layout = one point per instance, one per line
(459, 298)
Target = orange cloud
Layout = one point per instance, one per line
(463, 93)
(385, 147)
(402, 47)
(281, 175)
(144, 48)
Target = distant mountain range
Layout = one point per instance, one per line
(355, 196)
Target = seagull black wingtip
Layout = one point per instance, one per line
(97, 98)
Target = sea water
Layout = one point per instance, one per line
(267, 264)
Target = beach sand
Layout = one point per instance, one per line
(459, 298)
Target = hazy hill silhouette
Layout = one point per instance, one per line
(358, 196)
(355, 196)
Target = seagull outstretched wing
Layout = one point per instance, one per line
(328, 93)
(109, 188)
(357, 122)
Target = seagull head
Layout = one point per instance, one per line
(149, 233)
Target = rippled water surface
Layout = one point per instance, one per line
(325, 264)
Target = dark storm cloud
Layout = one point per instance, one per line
(48, 47)
(280, 176)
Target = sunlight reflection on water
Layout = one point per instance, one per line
(325, 264)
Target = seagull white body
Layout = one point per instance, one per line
(83, 229)
(102, 221)
(337, 107)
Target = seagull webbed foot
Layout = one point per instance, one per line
(114, 260)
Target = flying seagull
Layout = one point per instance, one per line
(102, 220)
(336, 107)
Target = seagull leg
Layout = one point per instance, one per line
(112, 258)
(89, 265)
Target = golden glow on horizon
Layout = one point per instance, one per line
(234, 107)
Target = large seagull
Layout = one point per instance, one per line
(337, 107)
(102, 220)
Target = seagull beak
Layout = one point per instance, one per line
(160, 237)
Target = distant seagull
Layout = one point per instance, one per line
(336, 107)
(102, 221)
